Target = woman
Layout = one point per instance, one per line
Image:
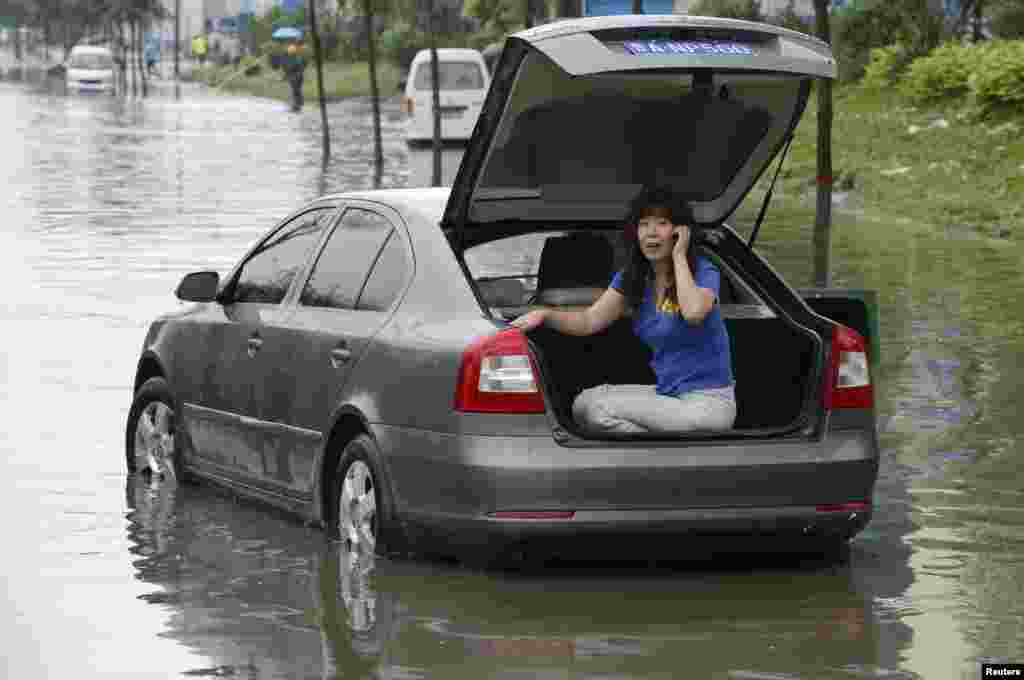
(674, 297)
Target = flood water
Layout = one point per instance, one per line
(107, 202)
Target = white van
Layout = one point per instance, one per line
(90, 68)
(464, 81)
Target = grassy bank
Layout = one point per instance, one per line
(937, 164)
(341, 80)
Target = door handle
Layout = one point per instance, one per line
(253, 345)
(339, 356)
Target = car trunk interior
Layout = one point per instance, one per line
(772, 358)
(771, 362)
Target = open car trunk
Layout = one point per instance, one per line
(772, 362)
(579, 117)
(776, 359)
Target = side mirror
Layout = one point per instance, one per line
(198, 287)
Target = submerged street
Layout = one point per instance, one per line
(109, 201)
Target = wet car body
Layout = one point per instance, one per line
(375, 386)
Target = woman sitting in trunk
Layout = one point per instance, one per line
(673, 294)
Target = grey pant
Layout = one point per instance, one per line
(638, 408)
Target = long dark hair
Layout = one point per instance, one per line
(638, 270)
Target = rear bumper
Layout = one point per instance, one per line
(783, 522)
(102, 88)
(456, 483)
(421, 128)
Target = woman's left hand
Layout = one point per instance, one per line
(682, 234)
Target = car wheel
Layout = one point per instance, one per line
(152, 432)
(360, 504)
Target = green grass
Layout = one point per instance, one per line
(902, 162)
(341, 80)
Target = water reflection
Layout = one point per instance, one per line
(262, 596)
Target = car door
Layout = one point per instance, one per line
(313, 351)
(224, 426)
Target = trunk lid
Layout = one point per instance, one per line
(582, 113)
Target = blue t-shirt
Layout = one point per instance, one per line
(684, 357)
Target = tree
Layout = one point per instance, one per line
(569, 8)
(498, 17)
(1007, 18)
(791, 20)
(371, 57)
(318, 56)
(916, 26)
(732, 9)
(822, 241)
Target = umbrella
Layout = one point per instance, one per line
(287, 33)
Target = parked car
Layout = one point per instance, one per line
(464, 79)
(357, 367)
(90, 68)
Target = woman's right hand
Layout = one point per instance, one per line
(530, 320)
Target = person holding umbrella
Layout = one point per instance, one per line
(294, 62)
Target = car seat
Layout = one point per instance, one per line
(574, 269)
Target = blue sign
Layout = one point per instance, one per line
(688, 47)
(290, 6)
(597, 8)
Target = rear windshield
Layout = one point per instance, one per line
(91, 61)
(455, 75)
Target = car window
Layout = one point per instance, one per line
(388, 277)
(512, 256)
(267, 274)
(455, 75)
(345, 260)
(91, 61)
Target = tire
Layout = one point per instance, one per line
(361, 507)
(152, 441)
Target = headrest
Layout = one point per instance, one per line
(577, 260)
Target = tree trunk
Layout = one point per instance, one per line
(122, 43)
(638, 6)
(17, 40)
(321, 95)
(131, 58)
(823, 215)
(177, 40)
(978, 37)
(378, 145)
(143, 68)
(435, 77)
(569, 8)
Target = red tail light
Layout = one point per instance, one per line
(498, 376)
(852, 506)
(847, 379)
